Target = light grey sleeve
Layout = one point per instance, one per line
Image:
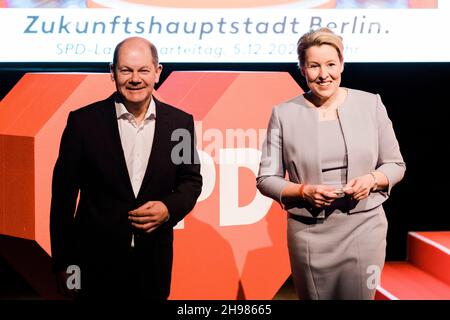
(271, 176)
(390, 160)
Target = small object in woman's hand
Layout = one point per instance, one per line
(339, 193)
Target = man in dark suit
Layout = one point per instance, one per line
(132, 161)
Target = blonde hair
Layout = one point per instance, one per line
(319, 37)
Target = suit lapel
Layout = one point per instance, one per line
(349, 131)
(117, 161)
(160, 144)
(307, 142)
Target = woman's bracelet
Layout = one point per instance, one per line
(301, 191)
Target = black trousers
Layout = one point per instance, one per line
(137, 274)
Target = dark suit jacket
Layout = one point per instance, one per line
(96, 234)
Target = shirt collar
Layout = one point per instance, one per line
(122, 112)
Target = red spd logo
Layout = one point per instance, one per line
(233, 244)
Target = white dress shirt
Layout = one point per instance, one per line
(137, 141)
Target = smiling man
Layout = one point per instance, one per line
(116, 154)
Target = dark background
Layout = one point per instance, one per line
(416, 98)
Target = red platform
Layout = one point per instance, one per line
(426, 273)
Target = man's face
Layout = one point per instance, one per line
(135, 73)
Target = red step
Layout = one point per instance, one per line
(430, 251)
(426, 274)
(404, 281)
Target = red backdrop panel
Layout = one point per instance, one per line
(218, 255)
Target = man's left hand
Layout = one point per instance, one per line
(149, 216)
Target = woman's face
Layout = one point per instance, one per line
(322, 70)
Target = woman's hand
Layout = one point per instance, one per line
(318, 195)
(359, 188)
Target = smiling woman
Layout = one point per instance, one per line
(321, 62)
(342, 158)
(322, 69)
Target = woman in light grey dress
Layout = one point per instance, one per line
(339, 149)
